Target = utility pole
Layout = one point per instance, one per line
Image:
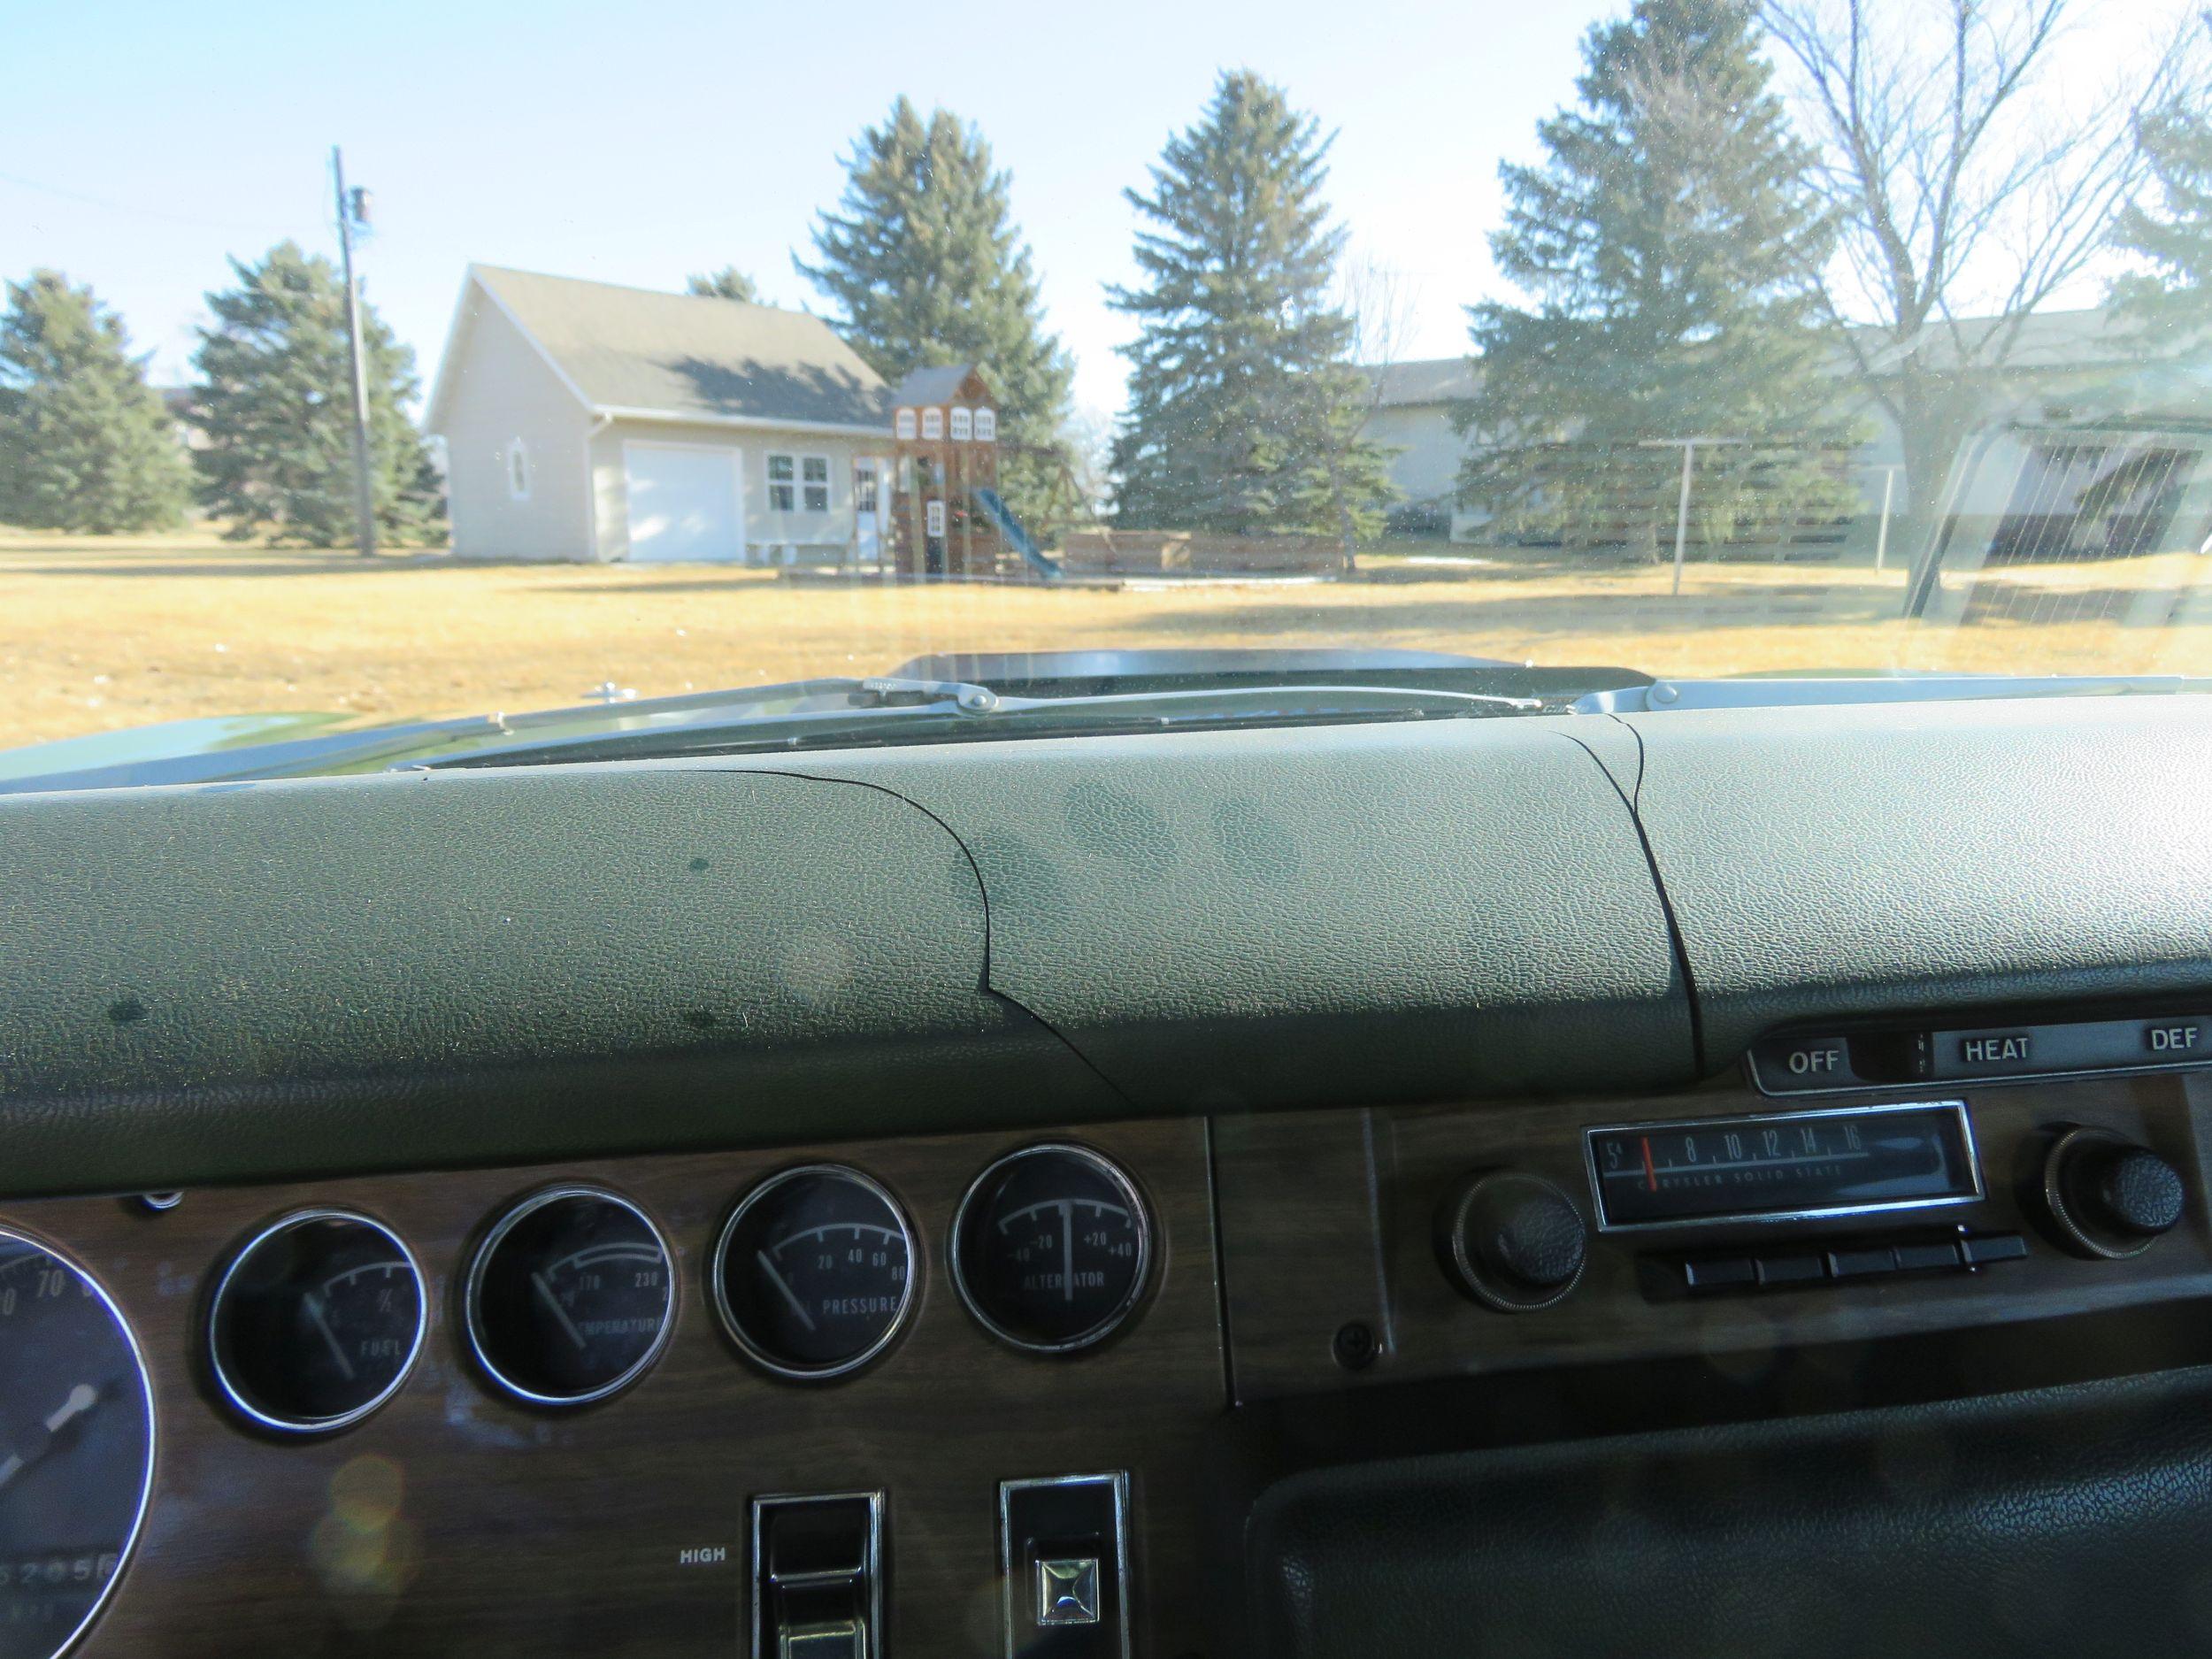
(352, 209)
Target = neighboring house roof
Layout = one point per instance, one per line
(678, 356)
(1426, 380)
(938, 385)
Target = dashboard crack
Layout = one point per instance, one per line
(983, 892)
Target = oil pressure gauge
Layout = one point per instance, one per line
(1051, 1248)
(814, 1274)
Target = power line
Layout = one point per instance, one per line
(135, 212)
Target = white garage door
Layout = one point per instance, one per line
(685, 503)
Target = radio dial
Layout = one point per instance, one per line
(1513, 1242)
(2108, 1196)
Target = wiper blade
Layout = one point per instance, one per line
(893, 710)
(1796, 692)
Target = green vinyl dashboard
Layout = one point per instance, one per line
(1163, 1194)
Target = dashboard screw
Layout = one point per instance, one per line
(1354, 1347)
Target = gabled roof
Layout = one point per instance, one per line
(938, 385)
(1424, 381)
(679, 356)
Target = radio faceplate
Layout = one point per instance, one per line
(1329, 1223)
(1782, 1166)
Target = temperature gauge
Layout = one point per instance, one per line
(316, 1322)
(570, 1297)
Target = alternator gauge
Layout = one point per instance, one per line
(1051, 1248)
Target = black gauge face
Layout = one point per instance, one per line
(814, 1272)
(570, 1297)
(316, 1322)
(76, 1449)
(1051, 1247)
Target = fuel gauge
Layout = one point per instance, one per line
(316, 1322)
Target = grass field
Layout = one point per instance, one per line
(100, 633)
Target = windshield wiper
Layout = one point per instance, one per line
(1783, 692)
(888, 710)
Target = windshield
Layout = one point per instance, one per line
(404, 365)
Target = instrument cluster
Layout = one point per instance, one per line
(570, 1294)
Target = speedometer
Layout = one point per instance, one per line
(813, 1275)
(76, 1448)
(1051, 1247)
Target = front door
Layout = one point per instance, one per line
(868, 510)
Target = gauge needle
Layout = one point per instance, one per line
(82, 1398)
(546, 1295)
(322, 1323)
(1067, 1251)
(789, 1296)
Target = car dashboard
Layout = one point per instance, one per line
(1685, 1182)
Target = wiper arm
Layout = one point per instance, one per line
(893, 710)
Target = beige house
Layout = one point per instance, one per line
(1411, 419)
(586, 421)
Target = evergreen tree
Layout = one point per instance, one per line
(85, 444)
(2175, 237)
(728, 283)
(1670, 242)
(924, 265)
(1245, 411)
(277, 406)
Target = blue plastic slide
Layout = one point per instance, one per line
(1011, 532)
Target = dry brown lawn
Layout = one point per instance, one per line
(100, 633)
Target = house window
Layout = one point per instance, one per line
(933, 518)
(906, 425)
(865, 488)
(986, 426)
(814, 481)
(933, 424)
(517, 471)
(963, 425)
(782, 470)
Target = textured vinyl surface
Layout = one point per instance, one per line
(1823, 862)
(1317, 917)
(204, 985)
(2069, 1523)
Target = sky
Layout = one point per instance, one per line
(148, 142)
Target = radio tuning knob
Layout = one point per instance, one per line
(1514, 1242)
(2108, 1196)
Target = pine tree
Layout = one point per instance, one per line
(924, 265)
(1670, 242)
(2175, 237)
(277, 406)
(1245, 410)
(85, 444)
(728, 283)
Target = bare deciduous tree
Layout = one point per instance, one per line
(1965, 184)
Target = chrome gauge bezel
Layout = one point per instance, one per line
(1138, 1284)
(346, 1420)
(153, 1428)
(472, 1309)
(719, 1293)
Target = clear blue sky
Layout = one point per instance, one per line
(636, 144)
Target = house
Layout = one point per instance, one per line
(587, 422)
(2079, 443)
(1410, 417)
